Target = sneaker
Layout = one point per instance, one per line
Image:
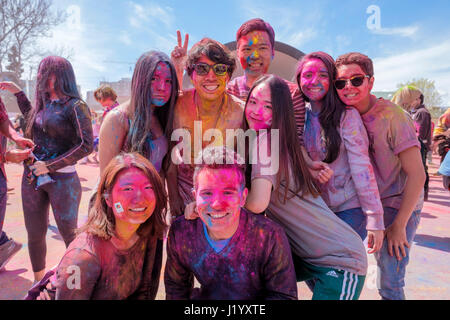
(7, 251)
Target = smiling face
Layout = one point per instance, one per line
(314, 79)
(255, 53)
(219, 196)
(132, 197)
(210, 86)
(161, 87)
(358, 97)
(258, 110)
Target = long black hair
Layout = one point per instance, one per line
(290, 154)
(140, 111)
(332, 108)
(65, 86)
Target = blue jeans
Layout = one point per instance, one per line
(356, 219)
(391, 272)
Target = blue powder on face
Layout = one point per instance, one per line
(158, 102)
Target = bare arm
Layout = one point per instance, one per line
(111, 137)
(396, 233)
(258, 198)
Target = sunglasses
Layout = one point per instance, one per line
(356, 81)
(202, 69)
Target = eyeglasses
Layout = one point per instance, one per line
(202, 69)
(356, 81)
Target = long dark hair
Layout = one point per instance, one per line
(140, 111)
(332, 108)
(65, 86)
(291, 157)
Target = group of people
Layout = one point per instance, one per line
(348, 168)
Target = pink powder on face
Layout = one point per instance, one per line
(314, 80)
(161, 87)
(258, 111)
(219, 197)
(134, 192)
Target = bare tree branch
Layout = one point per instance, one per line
(22, 22)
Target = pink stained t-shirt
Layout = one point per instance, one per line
(391, 131)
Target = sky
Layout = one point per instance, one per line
(406, 39)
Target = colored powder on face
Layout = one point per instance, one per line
(158, 102)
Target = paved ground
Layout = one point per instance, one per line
(428, 275)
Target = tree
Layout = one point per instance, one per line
(14, 62)
(21, 23)
(432, 96)
(433, 99)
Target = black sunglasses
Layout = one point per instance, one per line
(355, 81)
(202, 69)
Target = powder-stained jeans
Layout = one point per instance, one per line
(391, 272)
(64, 195)
(3, 198)
(356, 219)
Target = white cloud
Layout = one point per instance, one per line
(297, 39)
(150, 15)
(431, 63)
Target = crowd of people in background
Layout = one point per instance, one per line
(349, 167)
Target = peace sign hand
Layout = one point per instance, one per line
(179, 53)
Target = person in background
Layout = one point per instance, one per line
(107, 97)
(9, 247)
(60, 127)
(411, 99)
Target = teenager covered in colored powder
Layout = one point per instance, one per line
(411, 99)
(210, 66)
(335, 134)
(9, 247)
(234, 254)
(255, 42)
(60, 126)
(144, 123)
(118, 252)
(395, 154)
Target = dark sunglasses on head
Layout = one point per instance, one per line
(355, 81)
(202, 69)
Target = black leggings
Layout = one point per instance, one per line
(64, 195)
